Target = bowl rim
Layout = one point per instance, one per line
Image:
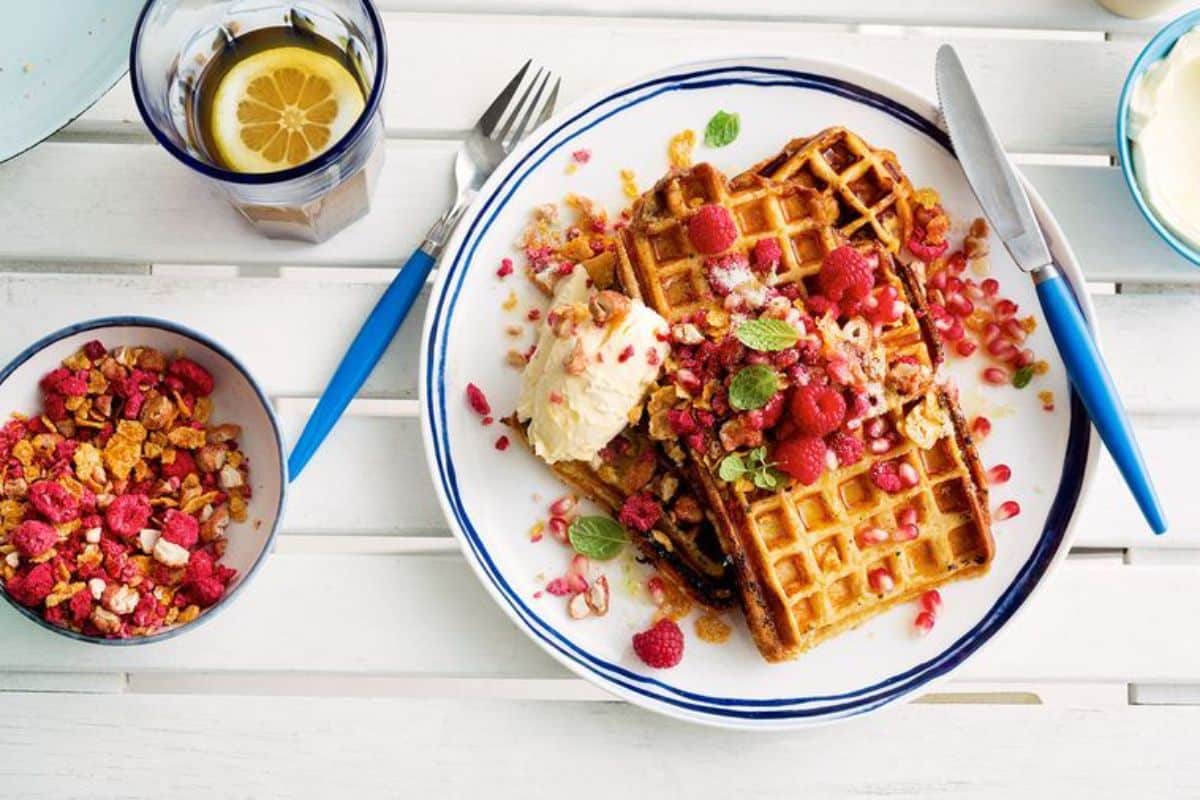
(127, 320)
(1159, 46)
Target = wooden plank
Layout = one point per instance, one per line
(459, 747)
(1072, 108)
(1096, 622)
(157, 212)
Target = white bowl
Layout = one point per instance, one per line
(237, 399)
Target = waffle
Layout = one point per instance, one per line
(803, 572)
(684, 544)
(802, 576)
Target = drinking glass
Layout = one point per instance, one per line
(174, 41)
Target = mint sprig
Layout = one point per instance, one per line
(600, 538)
(752, 466)
(752, 387)
(767, 334)
(722, 129)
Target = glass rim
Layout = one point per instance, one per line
(339, 148)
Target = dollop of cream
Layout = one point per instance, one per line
(588, 375)
(1164, 125)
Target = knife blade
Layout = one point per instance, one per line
(988, 169)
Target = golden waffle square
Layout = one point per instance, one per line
(809, 568)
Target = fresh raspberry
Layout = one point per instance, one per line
(128, 514)
(640, 512)
(817, 410)
(765, 256)
(181, 529)
(802, 457)
(195, 377)
(847, 448)
(885, 475)
(819, 305)
(33, 538)
(34, 586)
(712, 229)
(846, 274)
(53, 501)
(660, 647)
(181, 467)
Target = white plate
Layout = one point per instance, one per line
(488, 495)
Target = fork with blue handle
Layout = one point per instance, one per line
(524, 104)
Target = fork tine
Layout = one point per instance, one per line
(538, 81)
(548, 109)
(523, 125)
(487, 122)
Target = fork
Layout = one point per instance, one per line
(505, 122)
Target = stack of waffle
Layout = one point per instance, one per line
(794, 557)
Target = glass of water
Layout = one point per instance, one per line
(277, 103)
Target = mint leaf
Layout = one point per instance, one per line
(732, 467)
(769, 478)
(722, 129)
(767, 334)
(597, 537)
(752, 387)
(1023, 377)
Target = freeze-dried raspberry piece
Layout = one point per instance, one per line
(181, 467)
(49, 381)
(128, 514)
(147, 612)
(195, 377)
(95, 350)
(180, 528)
(80, 606)
(206, 591)
(32, 588)
(32, 538)
(640, 512)
(53, 501)
(199, 566)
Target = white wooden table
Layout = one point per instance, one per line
(367, 659)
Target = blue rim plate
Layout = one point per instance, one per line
(276, 434)
(877, 664)
(1157, 48)
(57, 58)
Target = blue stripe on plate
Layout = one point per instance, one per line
(826, 706)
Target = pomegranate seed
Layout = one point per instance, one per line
(502, 443)
(871, 536)
(991, 332)
(981, 427)
(990, 286)
(1002, 348)
(995, 376)
(1023, 358)
(973, 291)
(1006, 308)
(880, 580)
(908, 474)
(486, 421)
(1007, 510)
(954, 285)
(965, 347)
(931, 601)
(937, 311)
(558, 529)
(563, 505)
(999, 474)
(956, 331)
(907, 517)
(943, 324)
(657, 592)
(959, 306)
(906, 533)
(506, 268)
(579, 565)
(924, 623)
(1014, 330)
(880, 446)
(938, 280)
(888, 294)
(477, 400)
(876, 428)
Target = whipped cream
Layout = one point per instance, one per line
(591, 369)
(1164, 125)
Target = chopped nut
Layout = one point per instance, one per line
(230, 478)
(170, 554)
(222, 434)
(211, 457)
(158, 413)
(105, 621)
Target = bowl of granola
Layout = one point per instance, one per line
(142, 478)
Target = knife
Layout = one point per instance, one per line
(1006, 205)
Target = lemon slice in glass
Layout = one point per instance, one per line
(282, 107)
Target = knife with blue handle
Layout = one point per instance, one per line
(1006, 205)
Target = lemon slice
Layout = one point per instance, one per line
(282, 107)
